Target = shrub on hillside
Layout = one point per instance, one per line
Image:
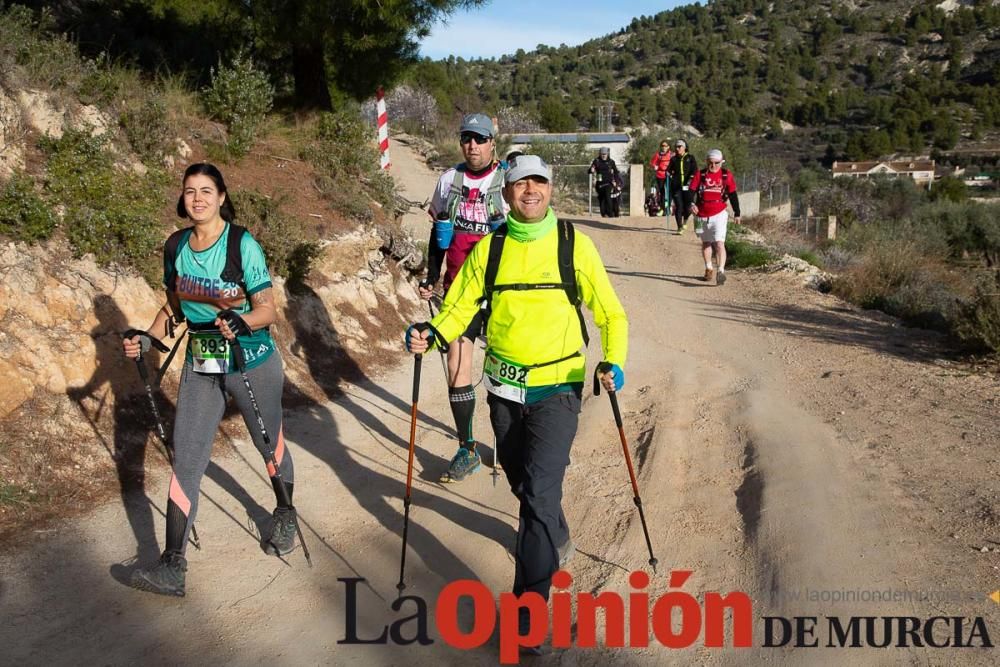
(23, 214)
(746, 255)
(347, 164)
(146, 129)
(978, 325)
(240, 96)
(896, 278)
(110, 212)
(284, 238)
(50, 62)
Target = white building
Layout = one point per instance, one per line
(616, 142)
(920, 170)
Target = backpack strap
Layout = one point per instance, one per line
(455, 191)
(494, 195)
(725, 176)
(233, 271)
(567, 271)
(493, 262)
(170, 249)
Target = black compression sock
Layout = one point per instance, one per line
(289, 486)
(463, 406)
(176, 526)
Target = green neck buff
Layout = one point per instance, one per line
(530, 231)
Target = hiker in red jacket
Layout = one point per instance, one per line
(712, 188)
(659, 162)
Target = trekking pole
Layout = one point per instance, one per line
(417, 360)
(628, 461)
(140, 364)
(283, 492)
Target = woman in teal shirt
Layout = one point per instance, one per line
(220, 306)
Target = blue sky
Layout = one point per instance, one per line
(504, 26)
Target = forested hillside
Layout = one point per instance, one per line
(869, 77)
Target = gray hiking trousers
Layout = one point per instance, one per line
(201, 403)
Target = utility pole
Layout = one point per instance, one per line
(605, 116)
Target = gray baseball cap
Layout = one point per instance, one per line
(527, 165)
(604, 151)
(479, 123)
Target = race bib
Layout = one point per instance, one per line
(209, 353)
(505, 378)
(684, 188)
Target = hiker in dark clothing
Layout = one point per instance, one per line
(605, 171)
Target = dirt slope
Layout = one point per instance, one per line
(786, 446)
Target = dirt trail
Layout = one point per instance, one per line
(785, 446)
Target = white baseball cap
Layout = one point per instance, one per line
(527, 165)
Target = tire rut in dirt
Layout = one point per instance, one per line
(749, 495)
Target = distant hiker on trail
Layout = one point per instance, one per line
(467, 203)
(604, 170)
(711, 189)
(652, 205)
(681, 170)
(217, 279)
(534, 368)
(659, 163)
(511, 156)
(617, 185)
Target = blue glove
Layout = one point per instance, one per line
(619, 374)
(421, 327)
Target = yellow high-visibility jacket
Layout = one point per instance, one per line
(538, 326)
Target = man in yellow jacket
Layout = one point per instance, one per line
(534, 272)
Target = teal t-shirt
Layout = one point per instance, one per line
(203, 293)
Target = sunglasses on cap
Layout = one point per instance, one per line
(471, 136)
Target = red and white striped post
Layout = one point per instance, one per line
(383, 129)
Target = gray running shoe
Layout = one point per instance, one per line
(164, 578)
(720, 278)
(280, 540)
(465, 462)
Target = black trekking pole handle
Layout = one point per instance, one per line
(140, 364)
(240, 361)
(628, 461)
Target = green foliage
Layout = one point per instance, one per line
(347, 164)
(746, 255)
(12, 494)
(285, 239)
(979, 325)
(558, 153)
(811, 257)
(45, 61)
(146, 129)
(949, 188)
(812, 66)
(344, 49)
(24, 215)
(240, 96)
(554, 116)
(109, 212)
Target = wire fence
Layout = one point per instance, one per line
(574, 192)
